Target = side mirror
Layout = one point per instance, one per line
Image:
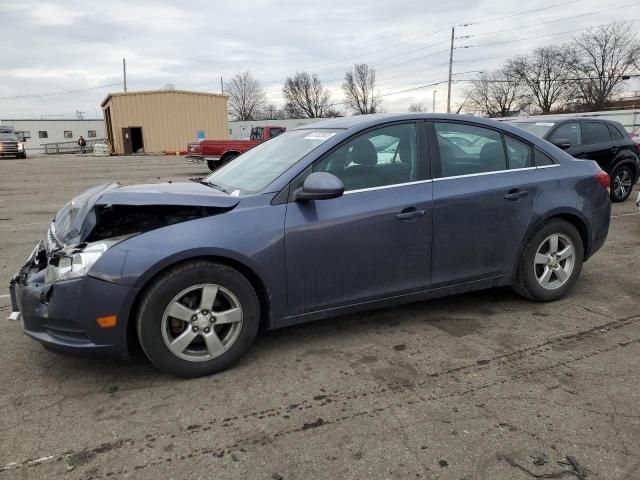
(562, 143)
(320, 186)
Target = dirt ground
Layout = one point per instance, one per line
(478, 386)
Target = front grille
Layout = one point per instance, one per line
(8, 148)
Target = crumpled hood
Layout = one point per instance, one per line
(75, 221)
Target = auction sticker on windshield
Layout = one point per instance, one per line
(319, 135)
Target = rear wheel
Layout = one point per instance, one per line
(551, 262)
(198, 319)
(621, 183)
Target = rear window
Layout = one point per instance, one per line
(615, 133)
(539, 129)
(595, 132)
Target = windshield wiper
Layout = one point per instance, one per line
(214, 185)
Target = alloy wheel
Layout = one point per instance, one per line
(554, 261)
(202, 322)
(622, 183)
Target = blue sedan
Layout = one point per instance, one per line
(345, 215)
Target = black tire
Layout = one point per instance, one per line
(22, 155)
(165, 289)
(526, 282)
(622, 180)
(213, 166)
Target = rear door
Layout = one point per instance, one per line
(375, 240)
(597, 142)
(481, 206)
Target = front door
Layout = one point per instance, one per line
(481, 207)
(127, 142)
(375, 240)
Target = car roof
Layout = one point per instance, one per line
(556, 119)
(364, 121)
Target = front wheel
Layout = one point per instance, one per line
(621, 183)
(197, 319)
(551, 262)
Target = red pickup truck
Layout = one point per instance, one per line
(218, 152)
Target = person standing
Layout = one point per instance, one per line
(82, 143)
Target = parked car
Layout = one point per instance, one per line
(11, 146)
(220, 152)
(374, 211)
(605, 141)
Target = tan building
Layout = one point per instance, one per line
(163, 120)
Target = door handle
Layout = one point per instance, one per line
(516, 194)
(410, 213)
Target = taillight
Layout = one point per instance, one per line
(603, 179)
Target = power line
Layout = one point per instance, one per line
(495, 19)
(571, 17)
(317, 66)
(536, 37)
(53, 94)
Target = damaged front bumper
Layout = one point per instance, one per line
(65, 316)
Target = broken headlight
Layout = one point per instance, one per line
(75, 262)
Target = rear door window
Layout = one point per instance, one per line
(596, 132)
(467, 149)
(568, 131)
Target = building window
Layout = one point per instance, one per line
(43, 134)
(91, 134)
(24, 135)
(68, 134)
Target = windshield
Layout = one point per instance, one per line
(8, 137)
(539, 129)
(254, 170)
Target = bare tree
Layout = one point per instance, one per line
(606, 55)
(496, 94)
(305, 97)
(246, 96)
(358, 86)
(417, 107)
(547, 73)
(271, 112)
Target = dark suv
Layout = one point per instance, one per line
(605, 141)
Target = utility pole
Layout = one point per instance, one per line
(124, 74)
(433, 110)
(221, 85)
(453, 32)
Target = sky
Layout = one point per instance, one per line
(64, 56)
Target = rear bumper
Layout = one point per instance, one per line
(63, 316)
(601, 218)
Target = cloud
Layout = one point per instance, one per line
(73, 44)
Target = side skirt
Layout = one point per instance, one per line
(391, 301)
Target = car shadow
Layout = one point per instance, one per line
(458, 315)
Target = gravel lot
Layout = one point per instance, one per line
(475, 386)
